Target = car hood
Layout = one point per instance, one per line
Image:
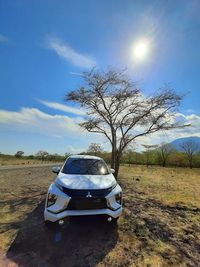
(74, 181)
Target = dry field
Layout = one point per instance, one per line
(160, 225)
(11, 160)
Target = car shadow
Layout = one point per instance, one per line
(81, 241)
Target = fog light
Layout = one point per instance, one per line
(61, 222)
(118, 198)
(109, 219)
(51, 199)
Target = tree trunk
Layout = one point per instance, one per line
(114, 149)
(191, 163)
(113, 158)
(117, 163)
(117, 167)
(164, 163)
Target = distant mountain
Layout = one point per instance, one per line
(176, 143)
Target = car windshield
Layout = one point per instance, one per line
(85, 166)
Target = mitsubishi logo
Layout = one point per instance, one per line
(88, 194)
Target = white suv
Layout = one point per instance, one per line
(84, 186)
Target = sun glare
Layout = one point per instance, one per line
(140, 50)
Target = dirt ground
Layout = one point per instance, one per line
(160, 225)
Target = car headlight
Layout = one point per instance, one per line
(118, 198)
(51, 199)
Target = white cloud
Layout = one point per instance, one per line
(169, 136)
(65, 51)
(3, 39)
(62, 107)
(74, 150)
(33, 120)
(54, 133)
(36, 121)
(76, 73)
(190, 110)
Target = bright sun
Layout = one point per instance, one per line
(140, 50)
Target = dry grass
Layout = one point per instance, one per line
(11, 160)
(160, 225)
(168, 185)
(162, 212)
(21, 190)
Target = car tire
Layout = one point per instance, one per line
(49, 224)
(114, 221)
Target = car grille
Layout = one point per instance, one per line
(87, 203)
(83, 193)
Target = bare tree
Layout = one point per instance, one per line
(95, 148)
(119, 110)
(164, 151)
(190, 148)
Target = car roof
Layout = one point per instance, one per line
(83, 157)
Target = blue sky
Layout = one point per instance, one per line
(45, 44)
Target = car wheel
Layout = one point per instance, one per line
(49, 224)
(113, 221)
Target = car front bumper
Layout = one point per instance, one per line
(60, 210)
(48, 216)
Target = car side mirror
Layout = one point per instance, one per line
(112, 171)
(56, 169)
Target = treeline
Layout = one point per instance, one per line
(176, 159)
(162, 155)
(40, 155)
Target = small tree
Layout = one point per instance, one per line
(148, 153)
(177, 159)
(41, 154)
(95, 149)
(164, 151)
(129, 152)
(119, 110)
(31, 156)
(19, 154)
(190, 148)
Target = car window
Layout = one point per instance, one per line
(85, 166)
